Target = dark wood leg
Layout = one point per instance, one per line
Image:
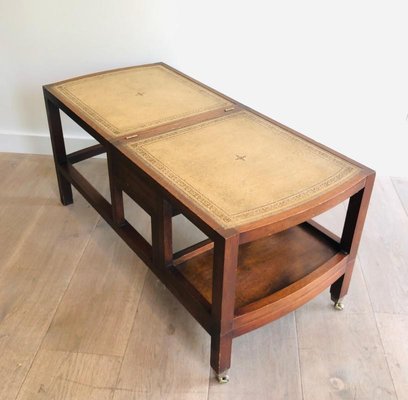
(221, 350)
(118, 212)
(162, 243)
(223, 301)
(351, 236)
(58, 148)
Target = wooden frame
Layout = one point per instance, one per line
(211, 295)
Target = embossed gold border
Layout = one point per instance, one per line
(63, 89)
(346, 171)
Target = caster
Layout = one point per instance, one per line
(222, 378)
(338, 305)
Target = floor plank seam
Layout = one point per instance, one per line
(209, 382)
(399, 197)
(130, 333)
(75, 382)
(73, 274)
(385, 355)
(39, 346)
(56, 309)
(87, 353)
(124, 390)
(27, 233)
(298, 353)
(376, 325)
(390, 313)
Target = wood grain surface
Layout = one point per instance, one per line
(264, 266)
(43, 244)
(52, 257)
(401, 188)
(97, 310)
(393, 330)
(168, 352)
(62, 375)
(384, 250)
(344, 348)
(273, 369)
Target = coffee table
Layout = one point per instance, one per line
(250, 184)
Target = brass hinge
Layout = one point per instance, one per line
(131, 136)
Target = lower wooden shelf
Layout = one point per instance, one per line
(282, 263)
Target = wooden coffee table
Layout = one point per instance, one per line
(249, 183)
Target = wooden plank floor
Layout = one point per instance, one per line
(81, 317)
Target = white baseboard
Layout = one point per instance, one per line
(22, 142)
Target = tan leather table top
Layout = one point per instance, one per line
(237, 168)
(128, 100)
(240, 168)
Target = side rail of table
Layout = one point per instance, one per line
(68, 175)
(141, 192)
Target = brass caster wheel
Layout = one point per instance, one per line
(339, 306)
(222, 378)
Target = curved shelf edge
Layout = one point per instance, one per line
(280, 303)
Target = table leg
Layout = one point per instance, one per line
(350, 239)
(118, 212)
(162, 243)
(223, 301)
(58, 149)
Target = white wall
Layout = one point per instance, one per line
(336, 71)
